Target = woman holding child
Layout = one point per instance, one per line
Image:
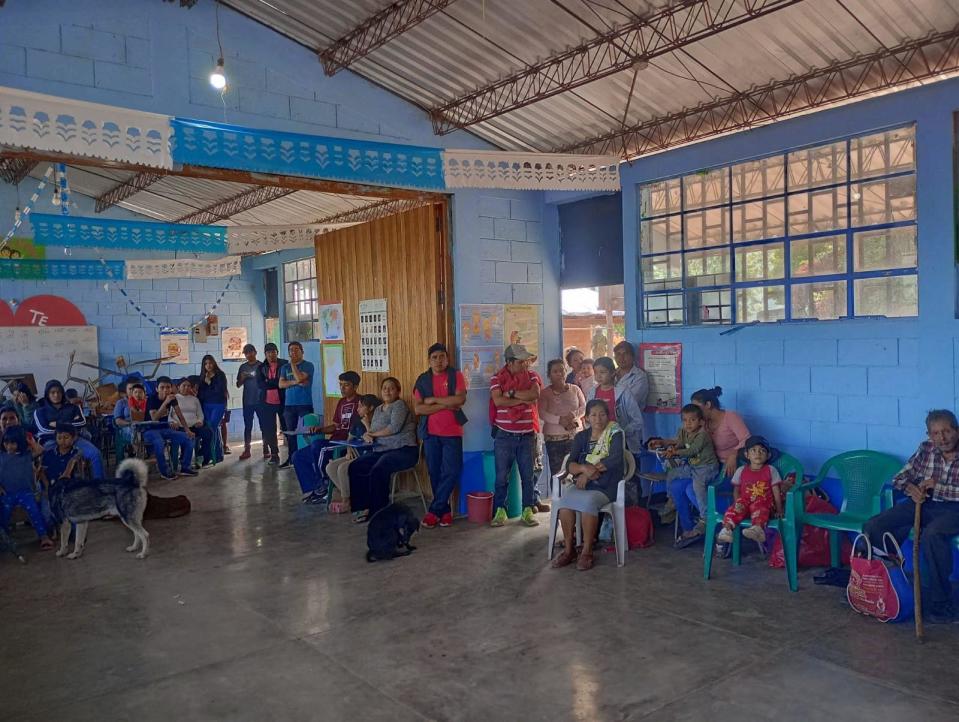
(622, 405)
(597, 462)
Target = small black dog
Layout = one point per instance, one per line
(390, 529)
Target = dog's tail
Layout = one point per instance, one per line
(134, 471)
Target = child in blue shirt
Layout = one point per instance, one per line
(17, 483)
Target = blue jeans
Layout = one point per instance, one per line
(180, 444)
(370, 476)
(687, 486)
(9, 502)
(508, 448)
(310, 462)
(444, 460)
(212, 416)
(291, 419)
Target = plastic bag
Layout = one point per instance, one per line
(814, 545)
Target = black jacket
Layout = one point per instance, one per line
(265, 383)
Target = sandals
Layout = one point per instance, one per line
(47, 544)
(360, 516)
(564, 559)
(585, 562)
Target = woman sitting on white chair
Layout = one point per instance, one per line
(597, 465)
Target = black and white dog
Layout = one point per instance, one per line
(80, 502)
(389, 530)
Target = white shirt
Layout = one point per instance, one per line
(191, 410)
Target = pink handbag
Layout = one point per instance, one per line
(879, 587)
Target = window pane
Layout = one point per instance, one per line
(657, 199)
(883, 249)
(663, 234)
(707, 228)
(662, 272)
(707, 268)
(819, 166)
(891, 152)
(762, 303)
(823, 210)
(289, 271)
(292, 313)
(760, 263)
(288, 292)
(820, 256)
(893, 296)
(708, 188)
(303, 269)
(758, 178)
(663, 309)
(704, 307)
(759, 220)
(884, 201)
(819, 300)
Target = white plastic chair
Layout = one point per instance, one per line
(616, 509)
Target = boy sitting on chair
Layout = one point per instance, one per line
(756, 489)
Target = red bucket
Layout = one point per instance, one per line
(479, 506)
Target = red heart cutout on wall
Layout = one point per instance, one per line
(6, 315)
(48, 311)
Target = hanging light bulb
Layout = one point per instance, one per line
(106, 286)
(56, 197)
(17, 215)
(218, 77)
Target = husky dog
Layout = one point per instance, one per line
(389, 530)
(80, 502)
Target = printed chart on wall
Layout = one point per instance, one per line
(374, 336)
(663, 364)
(233, 340)
(481, 342)
(175, 342)
(333, 366)
(522, 327)
(331, 322)
(479, 363)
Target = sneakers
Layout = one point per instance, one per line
(446, 519)
(188, 472)
(273, 460)
(756, 533)
(528, 517)
(725, 536)
(499, 518)
(285, 464)
(245, 455)
(315, 497)
(429, 521)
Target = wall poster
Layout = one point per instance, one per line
(663, 364)
(481, 324)
(271, 328)
(479, 363)
(331, 322)
(522, 326)
(175, 342)
(333, 365)
(374, 336)
(233, 339)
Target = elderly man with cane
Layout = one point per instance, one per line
(933, 468)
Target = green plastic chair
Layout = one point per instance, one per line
(863, 475)
(786, 526)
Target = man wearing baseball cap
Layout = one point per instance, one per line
(514, 392)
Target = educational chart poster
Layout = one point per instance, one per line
(522, 326)
(175, 342)
(663, 364)
(233, 339)
(331, 322)
(481, 325)
(374, 336)
(479, 363)
(333, 366)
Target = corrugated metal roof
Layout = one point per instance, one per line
(473, 42)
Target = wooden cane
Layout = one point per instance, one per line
(916, 564)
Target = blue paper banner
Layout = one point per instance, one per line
(106, 233)
(80, 270)
(357, 161)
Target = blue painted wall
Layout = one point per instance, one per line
(817, 388)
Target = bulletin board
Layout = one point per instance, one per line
(44, 351)
(663, 364)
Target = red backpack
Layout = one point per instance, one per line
(639, 527)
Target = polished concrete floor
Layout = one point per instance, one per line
(255, 607)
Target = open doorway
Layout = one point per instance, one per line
(594, 319)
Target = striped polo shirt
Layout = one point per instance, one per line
(517, 419)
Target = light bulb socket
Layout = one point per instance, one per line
(218, 77)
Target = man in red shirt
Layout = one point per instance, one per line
(514, 392)
(439, 396)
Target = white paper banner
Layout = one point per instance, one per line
(183, 268)
(46, 122)
(264, 239)
(530, 171)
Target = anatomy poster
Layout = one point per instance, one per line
(522, 326)
(374, 336)
(479, 363)
(481, 324)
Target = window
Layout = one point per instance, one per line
(300, 300)
(815, 233)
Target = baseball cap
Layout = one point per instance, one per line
(517, 352)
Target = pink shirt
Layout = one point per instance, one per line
(553, 405)
(730, 435)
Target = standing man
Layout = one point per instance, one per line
(514, 392)
(271, 401)
(159, 407)
(629, 377)
(246, 379)
(296, 377)
(930, 478)
(439, 396)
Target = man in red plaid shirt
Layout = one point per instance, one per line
(931, 473)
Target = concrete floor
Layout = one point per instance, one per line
(255, 607)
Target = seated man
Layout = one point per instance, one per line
(310, 461)
(192, 412)
(933, 468)
(159, 407)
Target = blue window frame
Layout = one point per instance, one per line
(825, 232)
